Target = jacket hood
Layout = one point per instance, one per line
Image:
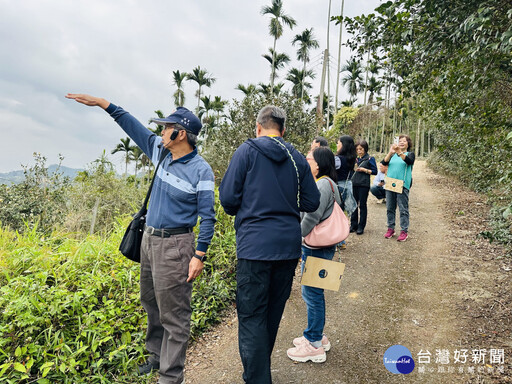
(270, 148)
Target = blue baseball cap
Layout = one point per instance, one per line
(183, 117)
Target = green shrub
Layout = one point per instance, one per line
(97, 196)
(38, 202)
(225, 139)
(71, 311)
(70, 308)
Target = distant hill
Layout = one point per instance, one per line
(16, 177)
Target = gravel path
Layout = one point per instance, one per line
(433, 292)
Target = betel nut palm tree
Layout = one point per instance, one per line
(179, 96)
(125, 147)
(353, 80)
(300, 86)
(267, 90)
(277, 60)
(248, 90)
(202, 78)
(278, 18)
(137, 156)
(306, 42)
(204, 109)
(158, 129)
(374, 86)
(218, 106)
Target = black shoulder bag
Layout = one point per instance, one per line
(132, 239)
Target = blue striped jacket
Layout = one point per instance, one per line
(183, 189)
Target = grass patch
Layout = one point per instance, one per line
(70, 310)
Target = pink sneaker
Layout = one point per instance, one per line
(389, 234)
(326, 344)
(305, 352)
(403, 236)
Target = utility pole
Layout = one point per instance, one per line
(339, 60)
(319, 104)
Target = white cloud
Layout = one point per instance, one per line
(126, 51)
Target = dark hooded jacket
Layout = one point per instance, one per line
(260, 188)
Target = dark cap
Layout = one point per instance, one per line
(183, 117)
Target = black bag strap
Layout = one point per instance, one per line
(365, 162)
(165, 152)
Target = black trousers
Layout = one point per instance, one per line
(263, 287)
(361, 196)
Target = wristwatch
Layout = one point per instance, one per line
(200, 258)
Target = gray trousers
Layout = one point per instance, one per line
(165, 296)
(402, 199)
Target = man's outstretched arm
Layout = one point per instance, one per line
(143, 137)
(89, 100)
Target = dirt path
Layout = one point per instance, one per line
(436, 291)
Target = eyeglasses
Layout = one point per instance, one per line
(168, 126)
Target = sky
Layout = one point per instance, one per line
(125, 51)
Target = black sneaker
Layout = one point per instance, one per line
(359, 231)
(147, 368)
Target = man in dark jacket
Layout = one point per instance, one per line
(266, 186)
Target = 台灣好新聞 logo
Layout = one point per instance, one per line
(398, 359)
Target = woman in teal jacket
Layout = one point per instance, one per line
(400, 161)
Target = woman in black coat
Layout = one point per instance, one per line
(366, 166)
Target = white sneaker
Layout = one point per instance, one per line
(305, 352)
(301, 340)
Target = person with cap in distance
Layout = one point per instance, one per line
(183, 190)
(266, 186)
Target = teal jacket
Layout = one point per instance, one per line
(400, 169)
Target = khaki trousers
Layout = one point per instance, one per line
(165, 296)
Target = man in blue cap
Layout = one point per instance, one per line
(183, 190)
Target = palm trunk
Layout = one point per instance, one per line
(418, 136)
(302, 81)
(273, 68)
(383, 129)
(366, 77)
(368, 121)
(394, 122)
(428, 142)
